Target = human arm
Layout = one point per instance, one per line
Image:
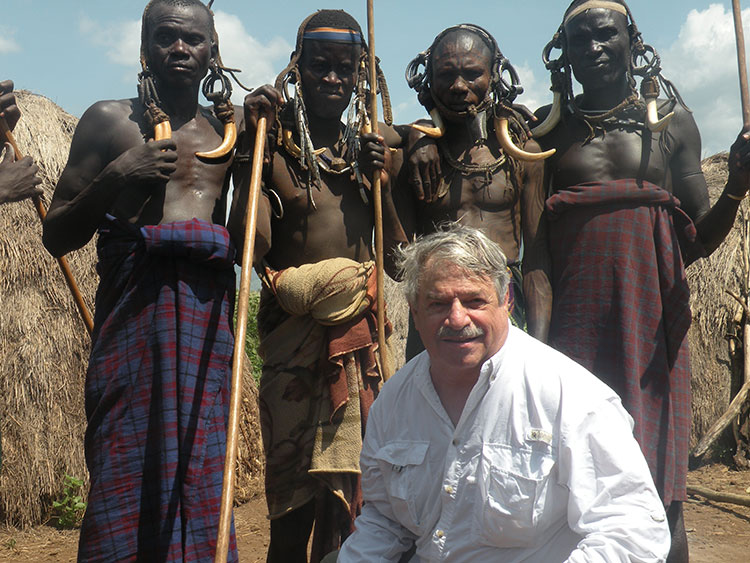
(712, 223)
(613, 502)
(96, 176)
(261, 102)
(378, 536)
(18, 180)
(537, 289)
(8, 109)
(375, 154)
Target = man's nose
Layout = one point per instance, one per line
(331, 77)
(457, 317)
(179, 46)
(459, 85)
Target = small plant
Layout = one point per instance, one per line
(10, 544)
(70, 508)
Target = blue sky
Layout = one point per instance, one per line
(77, 52)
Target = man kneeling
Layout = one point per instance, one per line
(491, 446)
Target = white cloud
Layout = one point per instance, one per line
(259, 62)
(536, 93)
(703, 65)
(121, 40)
(7, 43)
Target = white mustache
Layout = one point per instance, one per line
(467, 332)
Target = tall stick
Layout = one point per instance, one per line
(238, 359)
(376, 196)
(741, 63)
(62, 261)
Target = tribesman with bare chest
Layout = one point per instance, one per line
(317, 311)
(628, 209)
(157, 386)
(480, 177)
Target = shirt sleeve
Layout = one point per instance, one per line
(378, 536)
(613, 502)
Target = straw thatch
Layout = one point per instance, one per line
(44, 346)
(716, 372)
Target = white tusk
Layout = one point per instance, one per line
(227, 144)
(162, 131)
(652, 117)
(552, 119)
(503, 137)
(434, 132)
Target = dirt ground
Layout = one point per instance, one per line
(717, 532)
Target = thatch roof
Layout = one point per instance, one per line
(713, 310)
(44, 346)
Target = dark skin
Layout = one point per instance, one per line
(507, 212)
(341, 224)
(598, 48)
(112, 170)
(18, 180)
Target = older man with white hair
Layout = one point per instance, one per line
(491, 446)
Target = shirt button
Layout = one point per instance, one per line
(658, 516)
(448, 489)
(440, 533)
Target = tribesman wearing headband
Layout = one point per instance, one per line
(481, 179)
(157, 387)
(316, 320)
(629, 209)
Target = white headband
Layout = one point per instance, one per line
(592, 4)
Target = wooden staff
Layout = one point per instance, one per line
(741, 63)
(62, 261)
(238, 359)
(376, 197)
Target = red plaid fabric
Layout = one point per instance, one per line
(621, 308)
(157, 393)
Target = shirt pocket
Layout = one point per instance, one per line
(401, 464)
(513, 494)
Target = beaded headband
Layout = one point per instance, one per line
(334, 34)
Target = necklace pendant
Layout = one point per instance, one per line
(338, 164)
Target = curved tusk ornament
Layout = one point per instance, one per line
(433, 132)
(655, 124)
(227, 144)
(162, 130)
(503, 137)
(552, 119)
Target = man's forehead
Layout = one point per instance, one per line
(163, 13)
(595, 18)
(594, 5)
(463, 40)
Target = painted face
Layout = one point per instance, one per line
(598, 47)
(459, 318)
(329, 71)
(460, 71)
(179, 44)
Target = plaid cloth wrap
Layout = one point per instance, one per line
(621, 308)
(157, 392)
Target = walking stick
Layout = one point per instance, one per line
(376, 197)
(62, 261)
(741, 63)
(238, 359)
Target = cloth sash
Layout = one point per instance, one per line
(320, 376)
(157, 392)
(621, 308)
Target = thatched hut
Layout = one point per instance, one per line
(44, 346)
(717, 371)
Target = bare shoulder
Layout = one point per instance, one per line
(108, 119)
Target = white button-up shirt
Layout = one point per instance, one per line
(542, 466)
